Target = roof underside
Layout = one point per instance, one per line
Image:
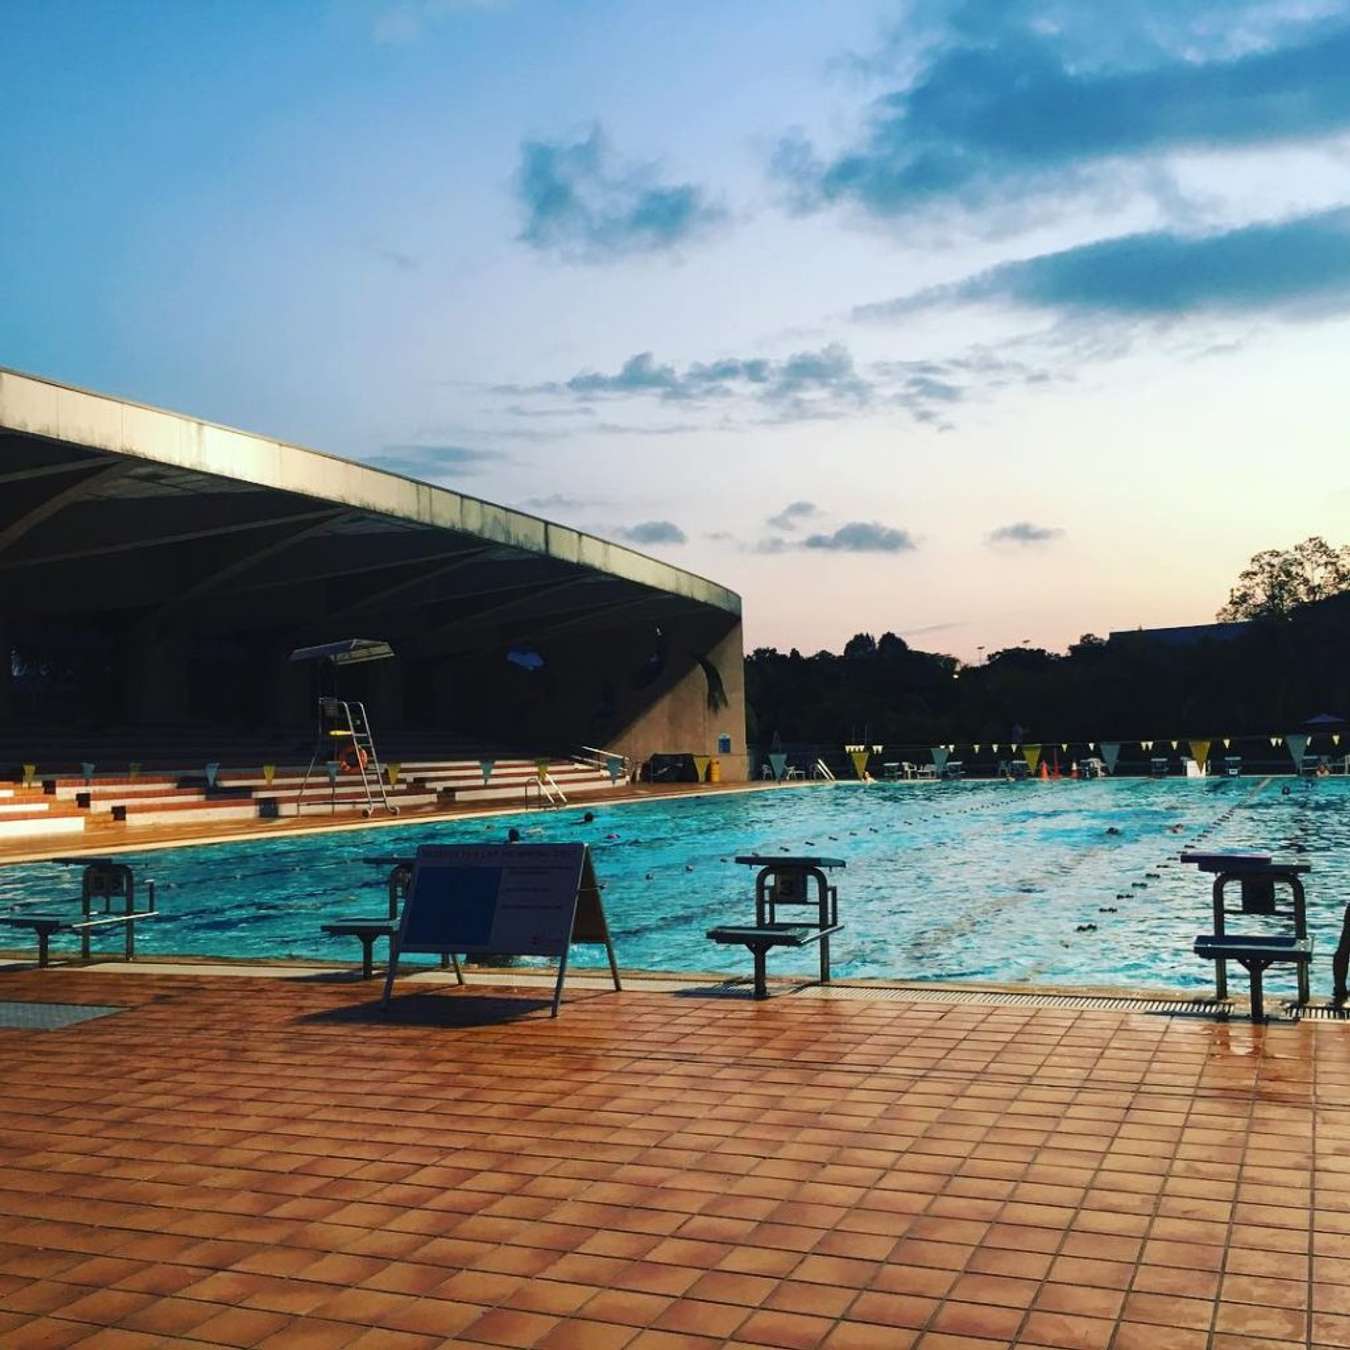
(114, 510)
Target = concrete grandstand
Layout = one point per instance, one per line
(156, 571)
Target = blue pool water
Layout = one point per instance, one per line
(961, 881)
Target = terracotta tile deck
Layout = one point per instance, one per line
(266, 1162)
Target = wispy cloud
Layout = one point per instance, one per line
(1023, 532)
(653, 532)
(792, 515)
(1299, 266)
(863, 536)
(584, 204)
(559, 501)
(432, 463)
(395, 258)
(402, 21)
(1007, 102)
(799, 385)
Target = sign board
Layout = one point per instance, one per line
(502, 900)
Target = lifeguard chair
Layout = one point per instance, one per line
(344, 742)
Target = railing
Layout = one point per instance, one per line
(596, 758)
(822, 770)
(547, 789)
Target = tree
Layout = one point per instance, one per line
(1277, 581)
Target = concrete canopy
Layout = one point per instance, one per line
(115, 507)
(159, 535)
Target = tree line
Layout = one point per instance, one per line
(1289, 661)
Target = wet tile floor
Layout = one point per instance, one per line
(269, 1162)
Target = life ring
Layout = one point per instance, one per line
(353, 758)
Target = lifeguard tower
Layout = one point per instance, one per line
(344, 741)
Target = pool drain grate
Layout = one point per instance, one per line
(995, 998)
(50, 1016)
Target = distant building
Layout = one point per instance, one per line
(1187, 635)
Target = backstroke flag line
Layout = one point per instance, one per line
(1297, 743)
(1110, 754)
(1199, 751)
(940, 753)
(1032, 755)
(859, 758)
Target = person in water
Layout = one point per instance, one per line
(513, 835)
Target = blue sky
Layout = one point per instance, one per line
(974, 321)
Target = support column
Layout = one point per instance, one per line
(156, 679)
(6, 676)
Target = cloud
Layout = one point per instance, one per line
(861, 536)
(804, 384)
(1024, 532)
(1009, 101)
(653, 532)
(1299, 266)
(583, 204)
(396, 258)
(404, 21)
(431, 463)
(792, 515)
(558, 501)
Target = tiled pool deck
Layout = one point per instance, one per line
(266, 1162)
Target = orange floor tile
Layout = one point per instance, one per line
(270, 1162)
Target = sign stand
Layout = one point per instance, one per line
(502, 900)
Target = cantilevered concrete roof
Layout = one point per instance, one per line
(112, 506)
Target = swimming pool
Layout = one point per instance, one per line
(958, 881)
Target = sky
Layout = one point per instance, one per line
(977, 322)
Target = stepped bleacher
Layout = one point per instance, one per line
(127, 782)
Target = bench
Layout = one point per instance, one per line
(104, 880)
(369, 930)
(1257, 875)
(784, 881)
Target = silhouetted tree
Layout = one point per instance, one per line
(1278, 581)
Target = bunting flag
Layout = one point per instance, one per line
(859, 758)
(87, 769)
(1297, 744)
(269, 773)
(213, 769)
(877, 749)
(331, 769)
(614, 764)
(1174, 745)
(1064, 745)
(485, 767)
(1092, 745)
(996, 747)
(1110, 754)
(939, 753)
(1335, 738)
(134, 770)
(1274, 741)
(541, 768)
(29, 773)
(1032, 755)
(778, 763)
(701, 763)
(391, 772)
(1227, 741)
(976, 747)
(1146, 745)
(1199, 751)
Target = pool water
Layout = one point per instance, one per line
(959, 881)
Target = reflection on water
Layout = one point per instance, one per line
(982, 881)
